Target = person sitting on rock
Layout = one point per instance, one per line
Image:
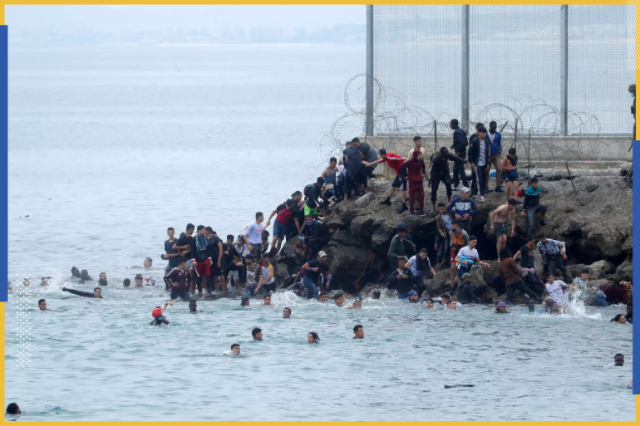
(532, 205)
(400, 245)
(553, 251)
(468, 256)
(465, 292)
(510, 276)
(402, 280)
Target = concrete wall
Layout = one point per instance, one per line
(578, 151)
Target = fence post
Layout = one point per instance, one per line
(564, 68)
(369, 85)
(465, 69)
(435, 136)
(515, 136)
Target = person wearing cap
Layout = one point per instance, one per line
(459, 239)
(419, 264)
(532, 205)
(400, 245)
(253, 274)
(179, 280)
(394, 161)
(459, 146)
(501, 308)
(158, 318)
(315, 235)
(357, 304)
(401, 279)
(498, 221)
(97, 292)
(465, 291)
(510, 275)
(414, 297)
(463, 208)
(312, 271)
(439, 172)
(443, 237)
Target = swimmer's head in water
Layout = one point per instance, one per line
(97, 292)
(429, 303)
(630, 308)
(148, 262)
(42, 304)
(256, 333)
(620, 319)
(26, 282)
(75, 272)
(267, 299)
(323, 297)
(13, 409)
(192, 306)
(156, 312)
(286, 313)
(619, 360)
(552, 306)
(501, 307)
(452, 305)
(126, 282)
(445, 298)
(313, 337)
(235, 348)
(139, 280)
(84, 274)
(413, 296)
(103, 276)
(244, 301)
(375, 295)
(358, 331)
(338, 298)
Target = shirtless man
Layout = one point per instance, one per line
(498, 220)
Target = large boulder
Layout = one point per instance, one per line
(601, 268)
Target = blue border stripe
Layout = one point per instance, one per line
(636, 265)
(4, 152)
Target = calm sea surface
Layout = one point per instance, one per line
(109, 147)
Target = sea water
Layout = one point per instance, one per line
(109, 147)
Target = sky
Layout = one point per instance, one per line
(145, 18)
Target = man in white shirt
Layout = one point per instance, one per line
(468, 256)
(556, 289)
(253, 237)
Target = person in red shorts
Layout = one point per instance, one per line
(394, 161)
(203, 260)
(416, 172)
(459, 239)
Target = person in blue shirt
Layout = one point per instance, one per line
(462, 208)
(495, 149)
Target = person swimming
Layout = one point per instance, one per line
(42, 304)
(375, 295)
(244, 301)
(357, 304)
(338, 299)
(139, 280)
(267, 301)
(312, 337)
(97, 292)
(13, 409)
(323, 297)
(193, 307)
(452, 305)
(428, 303)
(103, 279)
(44, 281)
(413, 296)
(618, 360)
(126, 283)
(501, 308)
(84, 275)
(158, 318)
(235, 349)
(286, 313)
(256, 333)
(619, 319)
(358, 332)
(75, 272)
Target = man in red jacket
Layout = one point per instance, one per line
(416, 171)
(394, 161)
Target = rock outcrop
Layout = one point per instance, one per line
(594, 221)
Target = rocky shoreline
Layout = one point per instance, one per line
(592, 215)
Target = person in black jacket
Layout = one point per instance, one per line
(439, 172)
(315, 234)
(479, 158)
(460, 144)
(97, 292)
(402, 280)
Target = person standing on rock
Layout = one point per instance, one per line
(369, 161)
(462, 208)
(439, 172)
(401, 280)
(354, 165)
(479, 158)
(553, 251)
(400, 245)
(510, 172)
(498, 221)
(316, 235)
(510, 276)
(459, 239)
(459, 146)
(495, 149)
(417, 146)
(443, 237)
(253, 236)
(330, 176)
(532, 205)
(416, 173)
(465, 292)
(284, 219)
(394, 161)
